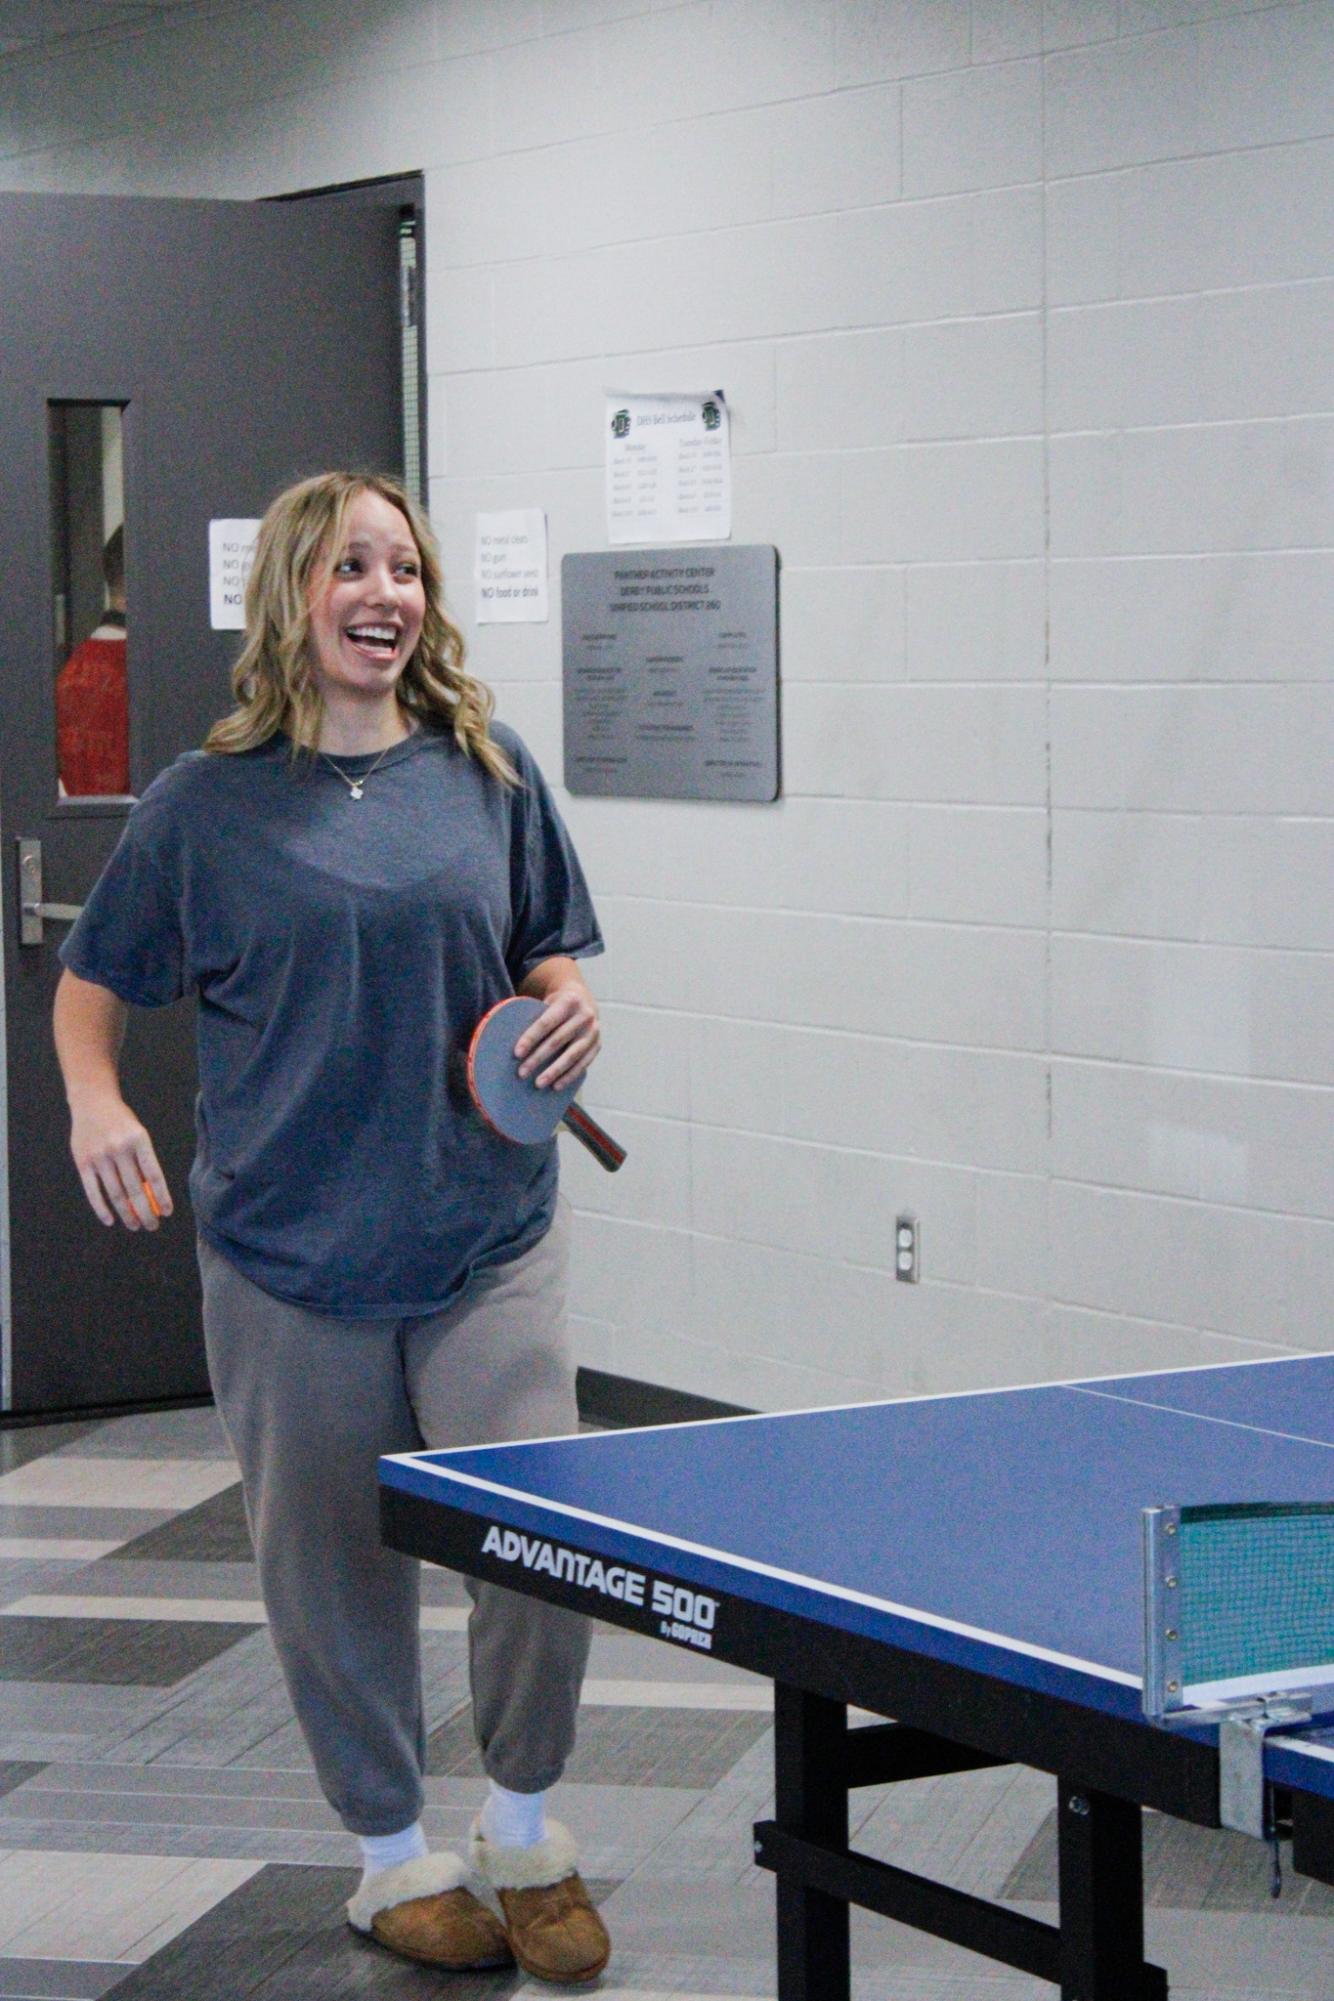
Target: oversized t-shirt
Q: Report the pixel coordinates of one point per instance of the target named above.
(342, 951)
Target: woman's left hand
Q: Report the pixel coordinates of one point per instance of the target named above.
(562, 1042)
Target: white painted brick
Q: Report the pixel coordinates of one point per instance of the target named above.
(460, 318)
(930, 260)
(976, 622)
(560, 17)
(1267, 882)
(970, 866)
(1235, 1141)
(658, 180)
(1003, 29)
(1255, 217)
(842, 625)
(793, 1310)
(492, 211)
(943, 503)
(819, 855)
(1141, 17)
(762, 50)
(976, 1340)
(979, 128)
(836, 152)
(1261, 353)
(1137, 875)
(644, 1063)
(1121, 103)
(465, 30)
(1222, 487)
(841, 390)
(1241, 617)
(1229, 1271)
(912, 1100)
(930, 743)
(781, 277)
(792, 500)
(820, 1201)
(971, 985)
(893, 38)
(1200, 749)
(1008, 234)
(654, 1186)
(1011, 1234)
(1083, 248)
(631, 1274)
(1266, 78)
(1069, 23)
(658, 66)
(972, 379)
(545, 91)
(1213, 1008)
(606, 301)
(1088, 1345)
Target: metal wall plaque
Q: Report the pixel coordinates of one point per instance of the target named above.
(671, 672)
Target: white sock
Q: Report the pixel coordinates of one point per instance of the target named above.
(513, 1820)
(385, 1851)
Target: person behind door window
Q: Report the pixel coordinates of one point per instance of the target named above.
(356, 866)
(92, 699)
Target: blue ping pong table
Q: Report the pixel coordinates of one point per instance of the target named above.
(969, 1566)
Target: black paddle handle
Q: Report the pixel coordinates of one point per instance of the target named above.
(604, 1149)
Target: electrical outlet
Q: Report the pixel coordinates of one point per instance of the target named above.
(907, 1246)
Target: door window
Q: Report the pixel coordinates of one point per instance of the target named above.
(90, 610)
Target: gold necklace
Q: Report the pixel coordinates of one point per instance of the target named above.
(356, 786)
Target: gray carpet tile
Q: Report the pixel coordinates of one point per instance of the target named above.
(58, 1979)
(156, 1434)
(147, 1653)
(146, 1577)
(213, 1532)
(691, 1748)
(17, 1772)
(283, 1936)
(21, 1443)
(1188, 1869)
(88, 1524)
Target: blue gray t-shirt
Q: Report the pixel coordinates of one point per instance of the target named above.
(343, 950)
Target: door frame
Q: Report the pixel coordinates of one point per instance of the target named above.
(406, 193)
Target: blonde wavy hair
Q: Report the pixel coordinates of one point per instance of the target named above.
(273, 683)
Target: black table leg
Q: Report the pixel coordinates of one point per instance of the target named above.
(1102, 1900)
(811, 1800)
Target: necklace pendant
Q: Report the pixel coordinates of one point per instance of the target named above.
(356, 792)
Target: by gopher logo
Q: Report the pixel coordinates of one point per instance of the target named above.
(620, 424)
(712, 414)
(682, 1614)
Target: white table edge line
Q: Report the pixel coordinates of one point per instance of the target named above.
(1206, 1417)
(1085, 1383)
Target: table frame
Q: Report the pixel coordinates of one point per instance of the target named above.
(948, 1718)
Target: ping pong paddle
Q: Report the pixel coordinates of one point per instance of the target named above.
(512, 1105)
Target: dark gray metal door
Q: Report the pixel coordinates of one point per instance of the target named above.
(246, 345)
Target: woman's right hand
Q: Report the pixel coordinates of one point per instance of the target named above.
(117, 1165)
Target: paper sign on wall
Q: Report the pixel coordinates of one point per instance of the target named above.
(231, 551)
(669, 468)
(511, 567)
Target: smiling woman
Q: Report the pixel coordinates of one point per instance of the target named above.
(342, 1175)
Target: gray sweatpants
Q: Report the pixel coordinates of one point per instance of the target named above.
(309, 1403)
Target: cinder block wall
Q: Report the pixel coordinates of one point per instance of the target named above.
(1024, 314)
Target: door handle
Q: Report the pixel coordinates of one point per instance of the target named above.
(33, 913)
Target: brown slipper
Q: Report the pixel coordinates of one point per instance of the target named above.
(423, 1911)
(553, 1930)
